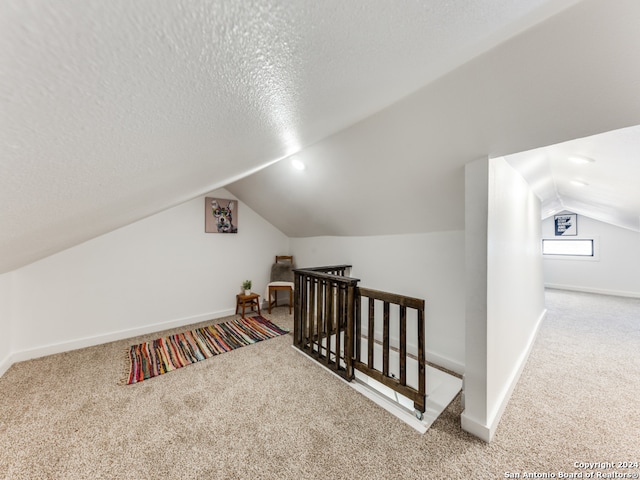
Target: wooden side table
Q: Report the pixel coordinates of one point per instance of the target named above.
(247, 301)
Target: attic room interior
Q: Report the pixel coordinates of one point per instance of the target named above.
(428, 145)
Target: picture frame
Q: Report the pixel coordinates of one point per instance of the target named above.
(566, 225)
(220, 215)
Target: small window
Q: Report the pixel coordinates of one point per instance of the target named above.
(577, 248)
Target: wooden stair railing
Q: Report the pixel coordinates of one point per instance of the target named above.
(332, 326)
(365, 333)
(323, 314)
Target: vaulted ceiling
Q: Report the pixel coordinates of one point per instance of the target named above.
(595, 176)
(113, 111)
(401, 170)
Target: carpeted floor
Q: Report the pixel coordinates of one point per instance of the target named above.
(265, 412)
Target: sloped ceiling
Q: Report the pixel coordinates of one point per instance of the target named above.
(402, 169)
(113, 111)
(596, 176)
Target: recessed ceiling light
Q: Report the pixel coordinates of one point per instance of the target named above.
(297, 164)
(580, 159)
(579, 183)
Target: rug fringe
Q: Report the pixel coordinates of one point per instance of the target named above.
(126, 369)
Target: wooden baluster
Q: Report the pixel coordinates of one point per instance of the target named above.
(296, 313)
(370, 333)
(301, 311)
(421, 361)
(312, 313)
(385, 339)
(328, 297)
(339, 309)
(319, 322)
(403, 345)
(348, 335)
(302, 322)
(357, 299)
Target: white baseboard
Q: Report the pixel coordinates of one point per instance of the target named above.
(601, 291)
(476, 428)
(487, 431)
(54, 348)
(5, 364)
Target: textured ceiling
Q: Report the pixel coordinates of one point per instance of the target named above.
(114, 110)
(401, 170)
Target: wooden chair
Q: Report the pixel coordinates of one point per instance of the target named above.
(281, 280)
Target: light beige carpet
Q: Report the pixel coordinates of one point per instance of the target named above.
(265, 412)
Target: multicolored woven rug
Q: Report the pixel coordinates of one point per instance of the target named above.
(165, 354)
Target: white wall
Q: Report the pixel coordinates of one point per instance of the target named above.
(5, 322)
(615, 270)
(160, 272)
(476, 218)
(429, 266)
(514, 289)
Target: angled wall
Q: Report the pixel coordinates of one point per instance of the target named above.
(160, 272)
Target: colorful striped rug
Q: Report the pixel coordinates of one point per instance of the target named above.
(165, 354)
